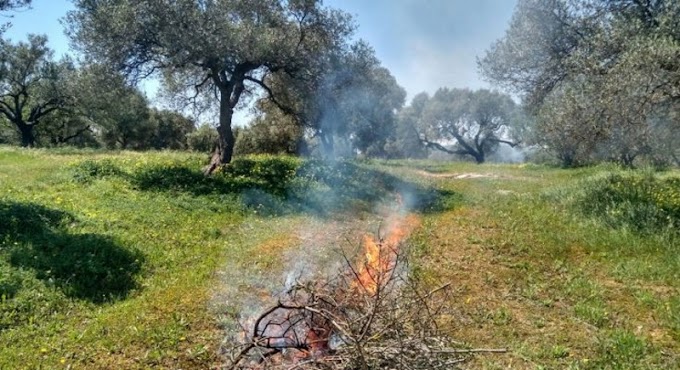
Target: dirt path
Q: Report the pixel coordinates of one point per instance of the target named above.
(464, 175)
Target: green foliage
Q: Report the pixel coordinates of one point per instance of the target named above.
(67, 128)
(90, 169)
(203, 139)
(201, 235)
(25, 300)
(32, 84)
(671, 314)
(476, 121)
(170, 130)
(10, 282)
(7, 5)
(96, 272)
(188, 45)
(644, 203)
(622, 350)
(268, 184)
(406, 142)
(272, 174)
(345, 98)
(273, 133)
(126, 120)
(595, 73)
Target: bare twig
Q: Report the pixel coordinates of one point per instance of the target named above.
(343, 324)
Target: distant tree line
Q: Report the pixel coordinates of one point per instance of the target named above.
(51, 103)
(592, 80)
(315, 90)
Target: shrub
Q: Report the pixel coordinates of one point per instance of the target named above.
(203, 139)
(644, 203)
(278, 184)
(10, 282)
(90, 169)
(272, 174)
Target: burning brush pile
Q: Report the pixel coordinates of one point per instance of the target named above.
(369, 316)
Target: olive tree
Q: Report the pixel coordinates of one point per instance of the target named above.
(117, 112)
(31, 85)
(593, 69)
(170, 129)
(348, 98)
(208, 50)
(272, 132)
(406, 142)
(475, 122)
(6, 5)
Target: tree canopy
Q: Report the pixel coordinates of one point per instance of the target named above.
(10, 5)
(348, 97)
(31, 85)
(475, 122)
(13, 4)
(209, 51)
(593, 71)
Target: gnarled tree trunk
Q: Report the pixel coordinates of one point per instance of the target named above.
(224, 148)
(27, 134)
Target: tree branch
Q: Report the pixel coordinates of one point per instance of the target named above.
(6, 109)
(512, 144)
(76, 134)
(434, 145)
(44, 109)
(270, 94)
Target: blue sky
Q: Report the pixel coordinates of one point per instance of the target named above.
(426, 44)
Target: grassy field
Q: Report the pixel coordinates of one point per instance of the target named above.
(135, 260)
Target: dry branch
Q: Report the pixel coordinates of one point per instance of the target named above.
(344, 324)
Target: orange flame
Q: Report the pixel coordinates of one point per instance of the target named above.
(380, 254)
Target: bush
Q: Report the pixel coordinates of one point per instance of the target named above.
(644, 203)
(278, 184)
(272, 174)
(203, 139)
(10, 282)
(89, 170)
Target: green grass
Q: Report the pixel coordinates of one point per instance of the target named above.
(582, 290)
(93, 265)
(112, 260)
(643, 203)
(136, 260)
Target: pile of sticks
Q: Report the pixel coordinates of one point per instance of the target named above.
(340, 324)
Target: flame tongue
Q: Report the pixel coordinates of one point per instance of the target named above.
(380, 254)
(293, 332)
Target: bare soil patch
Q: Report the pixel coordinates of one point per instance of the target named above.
(466, 175)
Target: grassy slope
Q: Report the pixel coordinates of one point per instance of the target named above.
(165, 320)
(557, 290)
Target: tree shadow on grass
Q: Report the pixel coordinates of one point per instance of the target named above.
(85, 266)
(313, 186)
